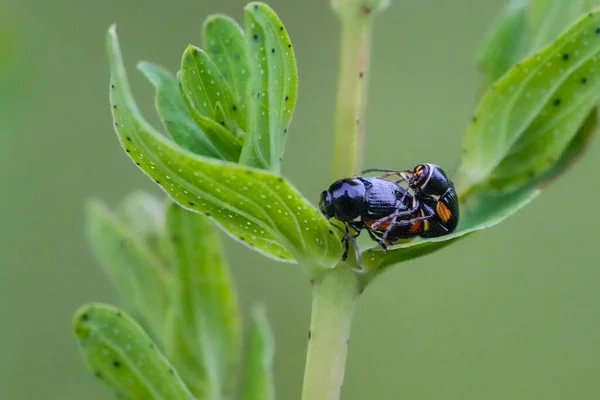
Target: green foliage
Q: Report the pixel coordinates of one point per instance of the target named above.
(203, 338)
(208, 93)
(526, 120)
(227, 113)
(549, 18)
(166, 259)
(504, 42)
(257, 207)
(273, 81)
(530, 126)
(127, 246)
(174, 114)
(122, 356)
(225, 43)
(208, 98)
(170, 270)
(477, 213)
(258, 378)
(526, 130)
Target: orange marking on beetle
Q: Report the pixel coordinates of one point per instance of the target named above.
(381, 227)
(415, 227)
(443, 211)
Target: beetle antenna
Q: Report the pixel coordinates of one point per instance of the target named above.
(404, 175)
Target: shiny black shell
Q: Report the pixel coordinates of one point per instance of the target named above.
(363, 198)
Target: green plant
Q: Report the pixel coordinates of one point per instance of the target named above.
(227, 114)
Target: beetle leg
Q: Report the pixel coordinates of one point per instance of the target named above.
(395, 223)
(372, 235)
(376, 239)
(352, 238)
(383, 240)
(394, 218)
(396, 214)
(383, 243)
(403, 194)
(346, 244)
(348, 237)
(416, 219)
(345, 240)
(413, 220)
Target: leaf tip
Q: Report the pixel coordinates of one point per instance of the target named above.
(212, 18)
(143, 65)
(79, 321)
(191, 51)
(260, 323)
(258, 310)
(112, 37)
(255, 6)
(154, 73)
(113, 48)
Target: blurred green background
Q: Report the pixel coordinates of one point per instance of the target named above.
(510, 313)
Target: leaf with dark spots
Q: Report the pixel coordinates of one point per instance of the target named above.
(258, 208)
(174, 113)
(272, 87)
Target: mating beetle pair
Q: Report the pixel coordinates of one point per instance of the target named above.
(388, 211)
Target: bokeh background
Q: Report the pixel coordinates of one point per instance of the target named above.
(509, 313)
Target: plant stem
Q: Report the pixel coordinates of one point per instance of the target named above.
(332, 308)
(334, 294)
(351, 96)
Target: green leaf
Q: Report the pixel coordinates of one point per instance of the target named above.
(574, 150)
(258, 208)
(211, 103)
(225, 43)
(480, 211)
(205, 331)
(481, 207)
(258, 371)
(174, 114)
(504, 42)
(533, 112)
(531, 157)
(549, 18)
(143, 216)
(208, 93)
(229, 145)
(124, 357)
(273, 87)
(138, 273)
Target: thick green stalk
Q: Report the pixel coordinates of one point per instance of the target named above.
(334, 296)
(351, 96)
